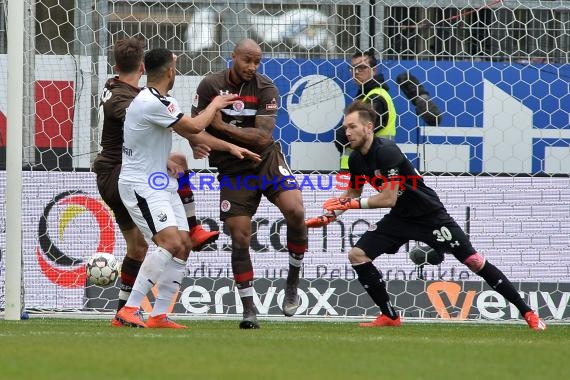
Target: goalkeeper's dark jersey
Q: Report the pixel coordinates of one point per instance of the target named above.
(258, 97)
(385, 161)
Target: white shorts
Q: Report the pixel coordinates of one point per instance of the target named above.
(153, 210)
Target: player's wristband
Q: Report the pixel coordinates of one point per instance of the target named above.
(364, 203)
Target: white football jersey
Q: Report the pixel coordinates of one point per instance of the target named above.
(148, 139)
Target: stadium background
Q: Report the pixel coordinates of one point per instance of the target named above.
(499, 71)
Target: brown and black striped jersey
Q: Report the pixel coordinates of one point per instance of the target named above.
(258, 97)
(116, 97)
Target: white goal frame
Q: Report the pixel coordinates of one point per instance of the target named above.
(497, 153)
(14, 161)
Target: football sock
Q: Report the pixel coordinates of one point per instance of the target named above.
(246, 294)
(247, 303)
(243, 276)
(168, 284)
(498, 281)
(187, 197)
(296, 254)
(129, 271)
(371, 279)
(150, 271)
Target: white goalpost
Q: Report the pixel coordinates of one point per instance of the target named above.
(499, 71)
(14, 149)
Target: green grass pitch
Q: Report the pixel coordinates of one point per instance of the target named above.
(77, 349)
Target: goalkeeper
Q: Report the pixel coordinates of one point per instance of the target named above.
(416, 214)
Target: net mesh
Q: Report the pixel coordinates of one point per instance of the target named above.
(498, 71)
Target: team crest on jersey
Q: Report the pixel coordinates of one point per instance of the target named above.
(171, 108)
(162, 217)
(196, 100)
(392, 172)
(272, 105)
(239, 106)
(225, 205)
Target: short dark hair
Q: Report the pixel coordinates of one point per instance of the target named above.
(372, 61)
(156, 61)
(365, 111)
(128, 54)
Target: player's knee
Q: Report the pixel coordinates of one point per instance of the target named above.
(357, 256)
(475, 262)
(173, 243)
(241, 239)
(293, 210)
(296, 216)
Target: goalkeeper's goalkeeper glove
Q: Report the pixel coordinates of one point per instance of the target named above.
(332, 204)
(320, 221)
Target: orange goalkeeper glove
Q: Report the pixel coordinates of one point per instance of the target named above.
(320, 221)
(333, 204)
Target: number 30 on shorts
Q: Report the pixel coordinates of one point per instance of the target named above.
(443, 234)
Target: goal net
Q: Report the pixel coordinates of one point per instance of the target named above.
(498, 155)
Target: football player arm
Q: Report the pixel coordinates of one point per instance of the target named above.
(207, 139)
(332, 214)
(386, 198)
(260, 137)
(188, 126)
(351, 199)
(352, 193)
(214, 143)
(200, 151)
(389, 160)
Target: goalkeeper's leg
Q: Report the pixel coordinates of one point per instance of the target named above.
(371, 279)
(372, 243)
(498, 281)
(460, 246)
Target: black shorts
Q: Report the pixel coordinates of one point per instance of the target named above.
(240, 195)
(439, 230)
(108, 186)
